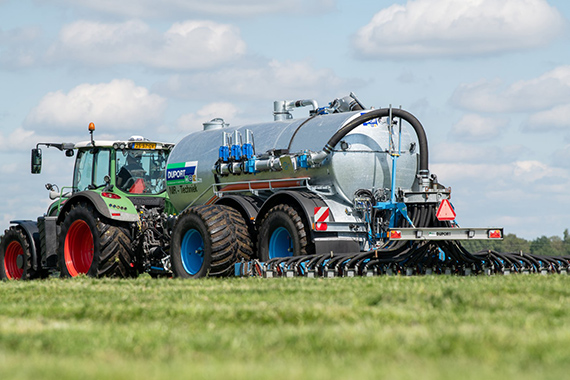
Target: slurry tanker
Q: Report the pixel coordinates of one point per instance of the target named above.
(344, 191)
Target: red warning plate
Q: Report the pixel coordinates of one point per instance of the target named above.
(321, 218)
(445, 211)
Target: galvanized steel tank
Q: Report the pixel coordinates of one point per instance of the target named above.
(359, 161)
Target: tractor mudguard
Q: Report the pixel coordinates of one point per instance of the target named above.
(94, 198)
(86, 196)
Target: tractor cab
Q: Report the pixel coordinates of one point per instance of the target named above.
(127, 169)
(132, 167)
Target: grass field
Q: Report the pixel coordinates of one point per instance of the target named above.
(351, 328)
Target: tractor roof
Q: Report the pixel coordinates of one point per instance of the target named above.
(149, 145)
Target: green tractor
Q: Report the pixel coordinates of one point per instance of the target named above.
(115, 220)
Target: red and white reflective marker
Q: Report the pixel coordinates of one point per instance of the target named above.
(321, 218)
(445, 211)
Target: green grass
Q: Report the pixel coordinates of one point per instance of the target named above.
(385, 327)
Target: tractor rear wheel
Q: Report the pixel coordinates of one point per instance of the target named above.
(207, 240)
(93, 246)
(15, 256)
(283, 233)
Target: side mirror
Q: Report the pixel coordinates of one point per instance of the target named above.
(108, 186)
(36, 161)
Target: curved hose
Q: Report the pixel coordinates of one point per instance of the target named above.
(384, 112)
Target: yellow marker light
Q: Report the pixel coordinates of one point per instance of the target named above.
(91, 127)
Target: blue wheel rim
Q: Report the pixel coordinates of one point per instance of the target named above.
(192, 252)
(280, 243)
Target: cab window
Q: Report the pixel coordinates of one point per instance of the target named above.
(91, 167)
(141, 171)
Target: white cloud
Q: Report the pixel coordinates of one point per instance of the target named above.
(192, 122)
(19, 139)
(500, 173)
(184, 46)
(515, 195)
(483, 96)
(272, 80)
(473, 127)
(118, 104)
(458, 28)
(545, 99)
(550, 89)
(555, 119)
(532, 171)
(189, 8)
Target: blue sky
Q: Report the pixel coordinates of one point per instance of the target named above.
(489, 79)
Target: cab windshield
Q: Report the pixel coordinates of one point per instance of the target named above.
(141, 171)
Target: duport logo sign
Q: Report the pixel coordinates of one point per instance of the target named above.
(182, 173)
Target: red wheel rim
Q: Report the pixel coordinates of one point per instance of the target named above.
(13, 272)
(78, 250)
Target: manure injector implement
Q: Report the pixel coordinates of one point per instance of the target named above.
(346, 191)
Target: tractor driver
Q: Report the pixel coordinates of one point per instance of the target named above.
(131, 172)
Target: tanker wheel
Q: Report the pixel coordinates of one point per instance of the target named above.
(89, 245)
(207, 240)
(242, 235)
(15, 255)
(283, 233)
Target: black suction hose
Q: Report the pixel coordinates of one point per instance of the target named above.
(385, 112)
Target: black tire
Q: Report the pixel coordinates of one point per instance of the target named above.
(282, 233)
(91, 245)
(15, 256)
(242, 235)
(207, 240)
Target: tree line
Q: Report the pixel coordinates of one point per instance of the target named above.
(551, 246)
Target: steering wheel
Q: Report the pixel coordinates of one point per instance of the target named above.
(130, 182)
